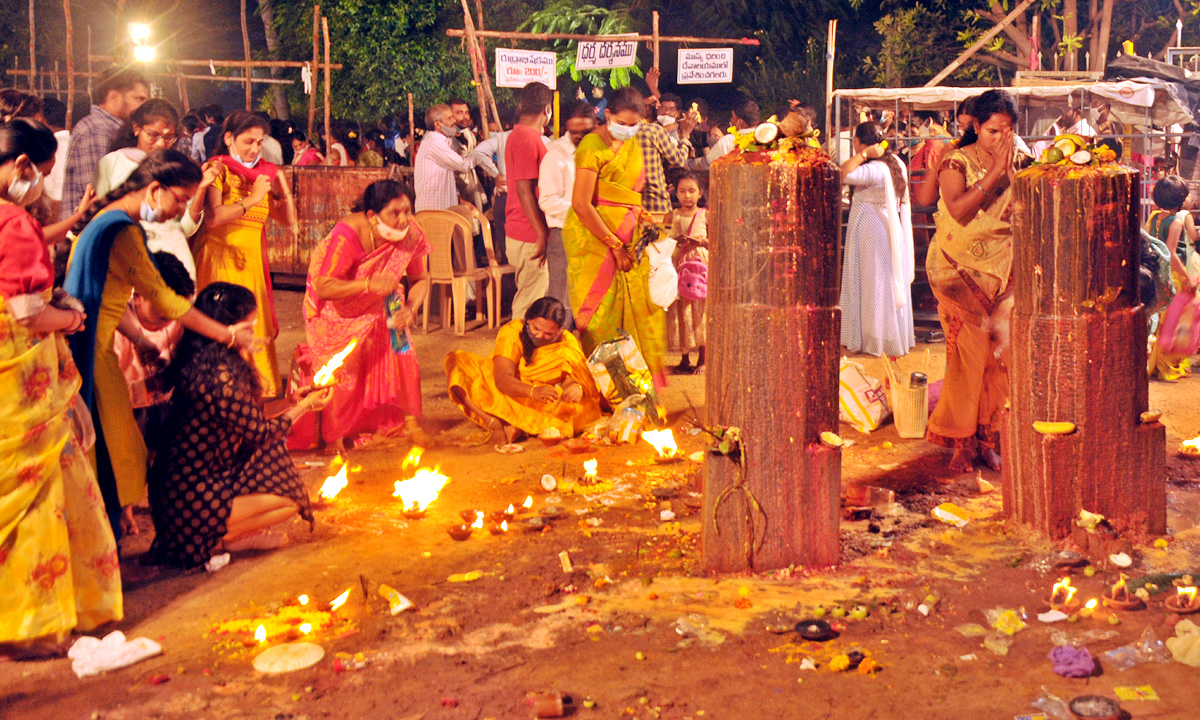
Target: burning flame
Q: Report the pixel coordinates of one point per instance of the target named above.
(1190, 447)
(339, 600)
(306, 628)
(413, 459)
(1186, 596)
(260, 634)
(510, 509)
(478, 519)
(303, 599)
(504, 528)
(589, 468)
(324, 376)
(528, 502)
(663, 441)
(421, 489)
(1091, 604)
(1064, 588)
(334, 484)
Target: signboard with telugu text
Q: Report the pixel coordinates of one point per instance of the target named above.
(518, 68)
(700, 66)
(605, 54)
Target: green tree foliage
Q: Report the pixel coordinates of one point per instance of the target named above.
(917, 42)
(569, 17)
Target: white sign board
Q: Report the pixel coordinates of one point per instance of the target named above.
(706, 65)
(605, 54)
(518, 68)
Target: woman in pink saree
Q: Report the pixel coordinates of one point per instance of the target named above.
(354, 292)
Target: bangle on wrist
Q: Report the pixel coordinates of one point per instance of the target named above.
(232, 338)
(368, 283)
(243, 206)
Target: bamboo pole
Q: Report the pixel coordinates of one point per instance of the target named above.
(978, 44)
(246, 52)
(328, 128)
(452, 32)
(483, 83)
(167, 75)
(315, 70)
(557, 114)
(32, 52)
(70, 62)
(656, 39)
(412, 134)
(234, 63)
(830, 52)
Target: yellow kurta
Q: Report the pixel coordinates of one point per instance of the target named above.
(129, 268)
(233, 253)
(552, 364)
(58, 560)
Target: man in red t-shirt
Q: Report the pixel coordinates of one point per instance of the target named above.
(525, 228)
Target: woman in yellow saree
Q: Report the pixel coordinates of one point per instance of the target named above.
(969, 265)
(609, 283)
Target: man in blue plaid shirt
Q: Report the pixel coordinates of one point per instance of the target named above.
(659, 147)
(117, 93)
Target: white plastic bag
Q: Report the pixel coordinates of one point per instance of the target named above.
(664, 279)
(862, 400)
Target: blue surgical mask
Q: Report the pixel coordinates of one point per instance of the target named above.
(622, 132)
(150, 214)
(234, 155)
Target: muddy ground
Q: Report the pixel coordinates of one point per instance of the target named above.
(607, 631)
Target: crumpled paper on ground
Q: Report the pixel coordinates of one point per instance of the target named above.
(92, 656)
(1185, 646)
(1072, 662)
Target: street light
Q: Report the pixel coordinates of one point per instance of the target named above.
(143, 53)
(139, 32)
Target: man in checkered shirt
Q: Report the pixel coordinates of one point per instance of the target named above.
(660, 148)
(117, 93)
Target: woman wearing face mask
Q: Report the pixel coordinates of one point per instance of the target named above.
(108, 262)
(54, 581)
(609, 286)
(230, 248)
(354, 293)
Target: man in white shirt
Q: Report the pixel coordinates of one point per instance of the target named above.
(437, 162)
(556, 181)
(1074, 122)
(54, 112)
(744, 119)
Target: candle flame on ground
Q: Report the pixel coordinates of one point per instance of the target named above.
(339, 600)
(324, 376)
(478, 519)
(260, 634)
(504, 528)
(334, 484)
(663, 442)
(528, 502)
(1091, 604)
(1190, 447)
(1186, 596)
(421, 489)
(303, 599)
(413, 459)
(510, 509)
(1064, 587)
(306, 628)
(589, 468)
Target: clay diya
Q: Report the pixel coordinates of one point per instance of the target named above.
(502, 515)
(578, 445)
(1118, 596)
(1062, 597)
(815, 630)
(414, 512)
(460, 532)
(1095, 707)
(469, 515)
(1185, 601)
(551, 512)
(535, 524)
(499, 528)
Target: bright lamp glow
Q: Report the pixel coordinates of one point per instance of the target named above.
(139, 31)
(143, 53)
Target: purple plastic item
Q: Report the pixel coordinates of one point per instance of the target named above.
(1072, 662)
(935, 393)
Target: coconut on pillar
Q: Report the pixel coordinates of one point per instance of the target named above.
(773, 340)
(1079, 356)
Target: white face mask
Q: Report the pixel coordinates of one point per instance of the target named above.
(451, 130)
(387, 232)
(622, 132)
(25, 191)
(665, 120)
(235, 156)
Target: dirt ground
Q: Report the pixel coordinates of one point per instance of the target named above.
(608, 630)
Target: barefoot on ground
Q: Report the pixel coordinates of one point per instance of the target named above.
(962, 461)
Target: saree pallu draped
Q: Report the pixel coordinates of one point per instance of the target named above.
(603, 299)
(969, 269)
(58, 558)
(377, 387)
(237, 253)
(552, 364)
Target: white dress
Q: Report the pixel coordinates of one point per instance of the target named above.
(877, 269)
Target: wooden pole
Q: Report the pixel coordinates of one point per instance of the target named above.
(830, 54)
(656, 38)
(315, 70)
(32, 52)
(179, 77)
(246, 52)
(1079, 356)
(89, 65)
(978, 44)
(70, 62)
(168, 75)
(452, 32)
(412, 134)
(328, 121)
(483, 83)
(237, 63)
(557, 114)
(773, 286)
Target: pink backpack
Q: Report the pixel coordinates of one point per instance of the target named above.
(693, 280)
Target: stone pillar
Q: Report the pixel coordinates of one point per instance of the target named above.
(1079, 356)
(773, 351)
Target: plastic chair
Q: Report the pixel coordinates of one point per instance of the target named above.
(495, 271)
(441, 228)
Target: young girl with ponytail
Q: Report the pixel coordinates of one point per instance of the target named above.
(108, 262)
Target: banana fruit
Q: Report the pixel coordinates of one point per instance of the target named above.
(1054, 428)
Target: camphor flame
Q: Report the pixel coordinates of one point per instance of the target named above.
(478, 519)
(339, 601)
(303, 599)
(589, 468)
(413, 459)
(306, 628)
(504, 528)
(1120, 591)
(260, 634)
(334, 484)
(421, 489)
(324, 376)
(1190, 447)
(663, 441)
(528, 502)
(1062, 592)
(1186, 596)
(1091, 604)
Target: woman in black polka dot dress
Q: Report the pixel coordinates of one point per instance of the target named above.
(223, 475)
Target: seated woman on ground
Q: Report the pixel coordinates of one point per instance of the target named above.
(223, 475)
(536, 382)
